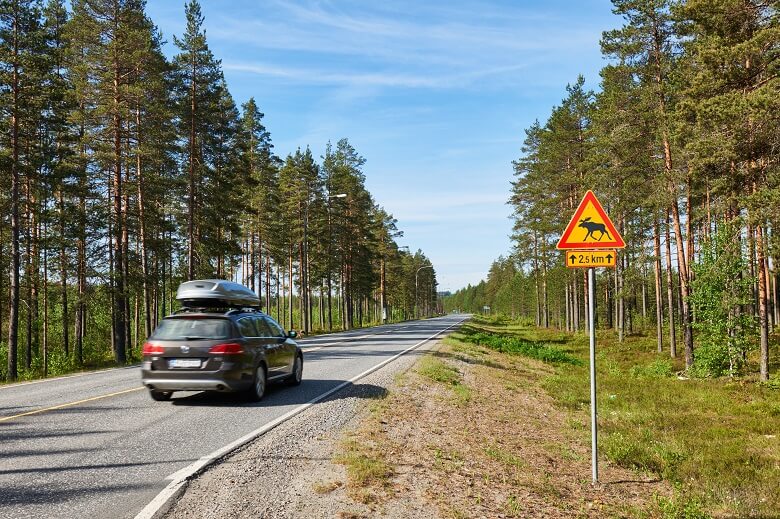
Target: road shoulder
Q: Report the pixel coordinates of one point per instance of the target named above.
(452, 430)
(290, 470)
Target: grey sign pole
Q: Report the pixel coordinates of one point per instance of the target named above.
(592, 321)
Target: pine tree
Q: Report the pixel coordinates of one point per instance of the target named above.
(731, 73)
(198, 89)
(21, 44)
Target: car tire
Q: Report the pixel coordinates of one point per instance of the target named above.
(160, 396)
(259, 383)
(296, 376)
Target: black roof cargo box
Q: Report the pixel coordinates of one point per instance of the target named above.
(216, 293)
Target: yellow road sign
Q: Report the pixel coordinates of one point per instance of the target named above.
(590, 228)
(590, 258)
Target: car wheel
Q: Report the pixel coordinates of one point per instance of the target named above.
(297, 373)
(257, 390)
(160, 396)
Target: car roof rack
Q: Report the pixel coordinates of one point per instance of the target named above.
(217, 310)
(216, 294)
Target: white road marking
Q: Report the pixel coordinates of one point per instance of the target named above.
(160, 504)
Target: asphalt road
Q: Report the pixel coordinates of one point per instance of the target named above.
(96, 445)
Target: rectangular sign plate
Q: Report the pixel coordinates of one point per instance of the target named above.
(590, 258)
(183, 363)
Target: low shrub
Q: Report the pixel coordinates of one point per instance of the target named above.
(660, 368)
(517, 346)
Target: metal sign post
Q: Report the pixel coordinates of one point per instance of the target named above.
(594, 447)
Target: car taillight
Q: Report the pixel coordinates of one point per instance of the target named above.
(230, 348)
(152, 349)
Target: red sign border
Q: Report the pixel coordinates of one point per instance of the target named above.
(616, 243)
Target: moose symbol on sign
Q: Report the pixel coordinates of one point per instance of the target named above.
(593, 227)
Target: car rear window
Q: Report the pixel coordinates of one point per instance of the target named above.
(192, 329)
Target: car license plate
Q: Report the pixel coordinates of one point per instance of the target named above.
(183, 363)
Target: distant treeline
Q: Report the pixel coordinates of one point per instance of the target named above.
(682, 145)
(125, 173)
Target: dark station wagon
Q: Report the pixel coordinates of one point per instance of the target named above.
(219, 341)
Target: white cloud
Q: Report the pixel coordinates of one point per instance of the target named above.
(384, 79)
(435, 48)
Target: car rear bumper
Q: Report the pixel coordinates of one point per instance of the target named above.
(163, 384)
(185, 380)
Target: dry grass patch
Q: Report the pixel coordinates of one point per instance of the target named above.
(474, 433)
(326, 487)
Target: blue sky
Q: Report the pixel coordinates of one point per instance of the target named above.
(435, 96)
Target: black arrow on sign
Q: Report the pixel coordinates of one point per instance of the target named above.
(573, 257)
(609, 258)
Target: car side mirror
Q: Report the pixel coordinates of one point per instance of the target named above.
(292, 334)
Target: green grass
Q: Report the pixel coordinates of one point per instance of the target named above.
(365, 467)
(716, 440)
(513, 345)
(436, 370)
(439, 371)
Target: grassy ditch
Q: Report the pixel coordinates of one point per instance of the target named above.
(495, 422)
(470, 432)
(717, 441)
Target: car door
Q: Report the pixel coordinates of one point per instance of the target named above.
(247, 328)
(286, 350)
(272, 346)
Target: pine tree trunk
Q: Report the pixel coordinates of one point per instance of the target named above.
(586, 297)
(775, 296)
(670, 291)
(260, 268)
(382, 297)
(63, 273)
(762, 305)
(81, 252)
(278, 296)
(142, 227)
(620, 298)
(684, 290)
(545, 307)
(268, 281)
(659, 313)
(45, 342)
(576, 301)
(29, 274)
(192, 183)
(302, 303)
(536, 283)
(290, 285)
(126, 261)
(330, 301)
(13, 322)
(768, 283)
(118, 261)
(321, 309)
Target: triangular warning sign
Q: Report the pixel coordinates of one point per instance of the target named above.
(590, 228)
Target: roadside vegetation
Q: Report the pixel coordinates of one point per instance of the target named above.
(670, 446)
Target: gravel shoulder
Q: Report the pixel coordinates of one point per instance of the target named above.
(289, 471)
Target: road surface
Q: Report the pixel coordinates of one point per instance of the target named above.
(96, 445)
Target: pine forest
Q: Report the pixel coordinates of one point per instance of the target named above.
(681, 143)
(126, 172)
